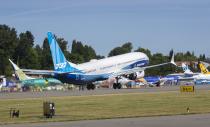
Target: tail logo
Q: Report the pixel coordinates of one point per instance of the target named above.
(185, 67)
(60, 65)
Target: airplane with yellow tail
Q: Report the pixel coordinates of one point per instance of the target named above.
(203, 69)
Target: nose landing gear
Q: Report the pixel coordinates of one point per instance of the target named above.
(117, 85)
(91, 86)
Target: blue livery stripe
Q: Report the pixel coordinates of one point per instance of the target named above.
(139, 63)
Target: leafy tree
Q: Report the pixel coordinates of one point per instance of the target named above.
(189, 56)
(159, 58)
(89, 53)
(25, 53)
(208, 68)
(208, 60)
(156, 59)
(185, 56)
(84, 52)
(8, 42)
(33, 59)
(146, 51)
(202, 57)
(46, 61)
(77, 48)
(75, 58)
(38, 51)
(63, 45)
(125, 48)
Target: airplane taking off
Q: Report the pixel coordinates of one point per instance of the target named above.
(131, 64)
(27, 81)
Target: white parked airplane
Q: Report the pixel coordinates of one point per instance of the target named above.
(188, 74)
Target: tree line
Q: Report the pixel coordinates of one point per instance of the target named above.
(23, 51)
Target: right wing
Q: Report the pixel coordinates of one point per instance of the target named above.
(138, 69)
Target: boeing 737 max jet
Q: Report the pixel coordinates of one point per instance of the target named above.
(130, 64)
(111, 67)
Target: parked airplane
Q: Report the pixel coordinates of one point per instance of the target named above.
(186, 72)
(202, 82)
(27, 81)
(2, 81)
(5, 83)
(171, 77)
(203, 69)
(199, 78)
(131, 64)
(153, 80)
(204, 75)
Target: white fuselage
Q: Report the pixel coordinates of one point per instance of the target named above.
(202, 77)
(115, 63)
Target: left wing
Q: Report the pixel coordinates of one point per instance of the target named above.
(46, 72)
(138, 69)
(39, 72)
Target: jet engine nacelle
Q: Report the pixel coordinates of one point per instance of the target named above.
(136, 75)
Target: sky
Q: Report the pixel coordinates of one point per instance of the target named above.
(159, 25)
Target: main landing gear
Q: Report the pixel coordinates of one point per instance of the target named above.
(117, 85)
(91, 86)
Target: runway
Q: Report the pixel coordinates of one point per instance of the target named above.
(102, 91)
(199, 120)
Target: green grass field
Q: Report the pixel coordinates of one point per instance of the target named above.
(107, 106)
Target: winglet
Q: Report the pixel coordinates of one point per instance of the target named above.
(172, 60)
(19, 73)
(14, 65)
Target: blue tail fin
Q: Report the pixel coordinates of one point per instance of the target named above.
(59, 60)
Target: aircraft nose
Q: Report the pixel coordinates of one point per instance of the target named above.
(146, 57)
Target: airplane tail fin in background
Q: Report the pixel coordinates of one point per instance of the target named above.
(18, 72)
(186, 69)
(203, 69)
(172, 59)
(59, 60)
